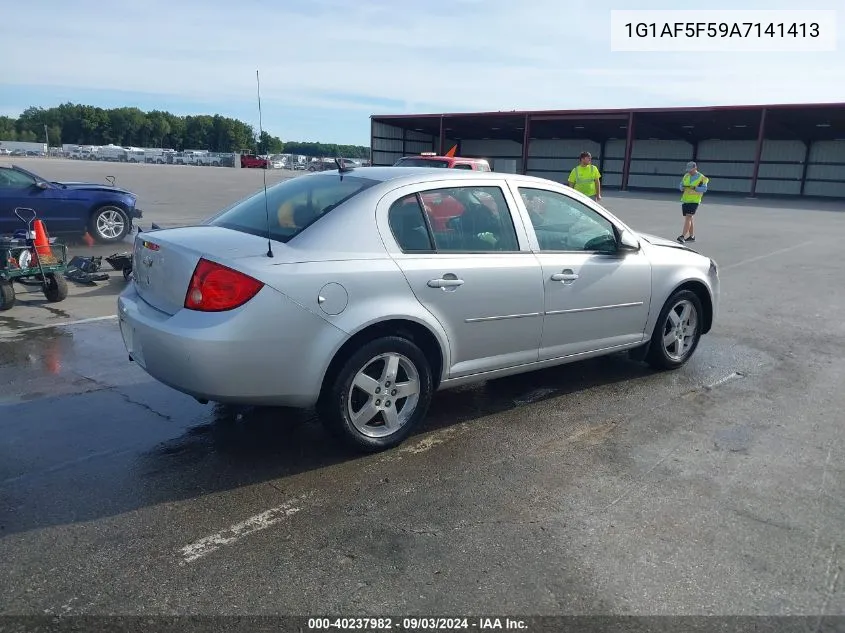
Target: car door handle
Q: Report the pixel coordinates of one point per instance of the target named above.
(566, 275)
(445, 283)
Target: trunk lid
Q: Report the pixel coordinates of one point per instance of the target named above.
(163, 262)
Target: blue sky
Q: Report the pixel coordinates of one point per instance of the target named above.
(327, 65)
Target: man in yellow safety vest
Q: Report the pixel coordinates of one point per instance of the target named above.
(585, 177)
(693, 187)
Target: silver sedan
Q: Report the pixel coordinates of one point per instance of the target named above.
(361, 292)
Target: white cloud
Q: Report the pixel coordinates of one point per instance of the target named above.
(336, 54)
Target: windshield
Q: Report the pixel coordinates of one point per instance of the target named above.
(293, 205)
(420, 162)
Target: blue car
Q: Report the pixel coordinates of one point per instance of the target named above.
(67, 208)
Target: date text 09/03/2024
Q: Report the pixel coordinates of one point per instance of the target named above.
(416, 624)
(724, 29)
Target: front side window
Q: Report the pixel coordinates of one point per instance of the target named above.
(564, 224)
(293, 204)
(13, 179)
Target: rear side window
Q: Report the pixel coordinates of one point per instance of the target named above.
(462, 166)
(407, 223)
(293, 205)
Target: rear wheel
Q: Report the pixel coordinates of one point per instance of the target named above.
(55, 288)
(677, 332)
(109, 224)
(7, 295)
(379, 396)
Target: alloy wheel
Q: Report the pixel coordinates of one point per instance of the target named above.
(384, 395)
(680, 330)
(110, 223)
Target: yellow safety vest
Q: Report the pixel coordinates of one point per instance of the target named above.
(584, 177)
(690, 194)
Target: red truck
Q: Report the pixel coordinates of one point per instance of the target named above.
(251, 160)
(430, 159)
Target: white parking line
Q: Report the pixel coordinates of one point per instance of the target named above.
(751, 260)
(34, 328)
(724, 379)
(253, 524)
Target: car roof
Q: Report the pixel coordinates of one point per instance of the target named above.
(424, 174)
(398, 176)
(444, 157)
(335, 227)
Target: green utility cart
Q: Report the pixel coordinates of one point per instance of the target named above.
(21, 263)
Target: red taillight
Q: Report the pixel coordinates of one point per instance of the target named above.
(216, 288)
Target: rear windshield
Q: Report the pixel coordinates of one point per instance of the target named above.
(293, 205)
(421, 162)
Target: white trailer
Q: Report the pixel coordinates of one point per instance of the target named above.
(83, 152)
(208, 160)
(135, 155)
(157, 156)
(111, 152)
(18, 147)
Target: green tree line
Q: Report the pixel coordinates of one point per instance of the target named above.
(90, 125)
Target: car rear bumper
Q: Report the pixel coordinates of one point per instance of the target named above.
(265, 353)
(136, 213)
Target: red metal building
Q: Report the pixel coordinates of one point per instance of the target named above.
(786, 150)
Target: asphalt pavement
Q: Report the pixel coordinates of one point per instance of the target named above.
(595, 488)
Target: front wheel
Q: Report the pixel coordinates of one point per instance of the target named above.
(109, 224)
(379, 396)
(7, 295)
(55, 288)
(677, 332)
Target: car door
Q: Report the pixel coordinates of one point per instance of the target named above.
(17, 189)
(476, 275)
(20, 189)
(596, 296)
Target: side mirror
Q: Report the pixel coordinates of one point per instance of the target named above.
(628, 242)
(41, 184)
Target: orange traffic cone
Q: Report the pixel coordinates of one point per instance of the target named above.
(88, 239)
(43, 253)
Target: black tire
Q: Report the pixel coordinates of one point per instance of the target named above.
(109, 214)
(658, 356)
(338, 396)
(7, 295)
(55, 288)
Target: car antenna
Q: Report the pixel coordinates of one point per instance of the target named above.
(341, 168)
(264, 171)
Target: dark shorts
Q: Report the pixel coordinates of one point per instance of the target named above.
(689, 208)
